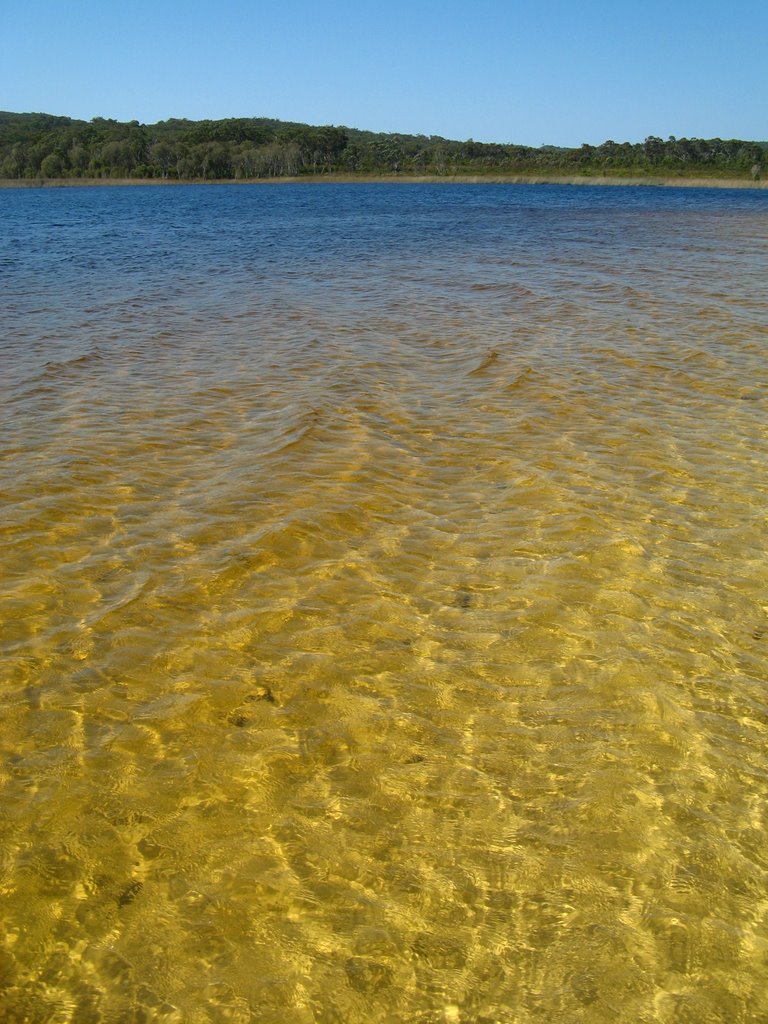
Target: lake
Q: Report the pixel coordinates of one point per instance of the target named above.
(385, 605)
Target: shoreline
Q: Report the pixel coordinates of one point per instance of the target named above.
(661, 181)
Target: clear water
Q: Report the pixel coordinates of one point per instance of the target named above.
(384, 605)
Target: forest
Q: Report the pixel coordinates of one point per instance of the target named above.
(44, 146)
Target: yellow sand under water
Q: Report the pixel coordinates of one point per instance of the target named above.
(399, 675)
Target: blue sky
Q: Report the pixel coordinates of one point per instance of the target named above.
(527, 71)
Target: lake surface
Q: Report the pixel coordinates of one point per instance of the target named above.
(384, 584)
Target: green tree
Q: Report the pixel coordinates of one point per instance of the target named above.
(52, 166)
(163, 155)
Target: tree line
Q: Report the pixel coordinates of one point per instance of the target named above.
(40, 146)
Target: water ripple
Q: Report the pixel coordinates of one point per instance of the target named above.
(385, 613)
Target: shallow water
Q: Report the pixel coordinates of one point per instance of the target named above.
(385, 605)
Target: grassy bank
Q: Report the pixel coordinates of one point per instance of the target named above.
(324, 179)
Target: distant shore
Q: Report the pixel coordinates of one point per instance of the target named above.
(464, 179)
